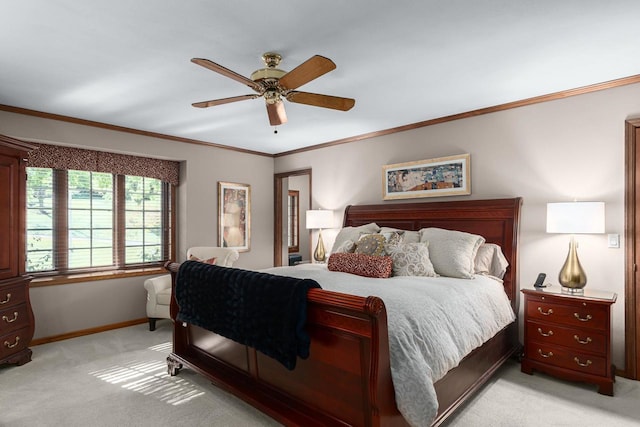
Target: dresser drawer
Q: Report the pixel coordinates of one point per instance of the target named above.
(13, 318)
(12, 295)
(13, 342)
(581, 315)
(567, 358)
(578, 339)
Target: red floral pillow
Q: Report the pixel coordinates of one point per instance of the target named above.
(211, 261)
(361, 264)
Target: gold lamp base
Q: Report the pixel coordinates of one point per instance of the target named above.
(320, 255)
(572, 276)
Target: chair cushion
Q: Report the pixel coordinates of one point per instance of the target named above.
(164, 297)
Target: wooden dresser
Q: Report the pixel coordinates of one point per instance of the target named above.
(16, 316)
(569, 335)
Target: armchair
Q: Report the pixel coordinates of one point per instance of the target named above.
(159, 288)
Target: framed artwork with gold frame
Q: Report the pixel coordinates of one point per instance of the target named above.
(234, 216)
(442, 176)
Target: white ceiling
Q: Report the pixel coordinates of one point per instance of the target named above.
(127, 63)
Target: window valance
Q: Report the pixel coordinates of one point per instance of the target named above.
(65, 158)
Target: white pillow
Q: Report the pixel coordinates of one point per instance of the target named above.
(353, 234)
(452, 252)
(411, 259)
(491, 261)
(348, 246)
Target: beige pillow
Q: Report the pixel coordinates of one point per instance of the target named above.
(491, 261)
(353, 234)
(452, 252)
(411, 259)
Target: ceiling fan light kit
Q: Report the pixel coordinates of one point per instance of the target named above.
(274, 85)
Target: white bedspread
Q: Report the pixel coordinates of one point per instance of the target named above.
(433, 323)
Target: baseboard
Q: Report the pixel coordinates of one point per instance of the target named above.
(89, 331)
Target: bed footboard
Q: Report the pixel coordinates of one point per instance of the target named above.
(345, 381)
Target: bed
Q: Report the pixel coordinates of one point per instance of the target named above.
(347, 378)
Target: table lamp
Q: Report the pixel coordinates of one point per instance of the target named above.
(319, 219)
(574, 218)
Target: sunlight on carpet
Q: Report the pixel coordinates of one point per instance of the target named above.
(163, 348)
(151, 379)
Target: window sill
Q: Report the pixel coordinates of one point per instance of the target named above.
(92, 277)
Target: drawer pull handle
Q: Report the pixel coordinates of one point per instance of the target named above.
(6, 300)
(545, 313)
(548, 334)
(15, 317)
(582, 319)
(577, 338)
(9, 345)
(546, 355)
(584, 365)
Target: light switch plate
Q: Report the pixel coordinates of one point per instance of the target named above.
(614, 240)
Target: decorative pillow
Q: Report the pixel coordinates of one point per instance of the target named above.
(361, 264)
(452, 252)
(211, 261)
(392, 237)
(371, 244)
(491, 261)
(408, 236)
(411, 259)
(353, 234)
(347, 246)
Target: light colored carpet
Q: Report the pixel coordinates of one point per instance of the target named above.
(119, 378)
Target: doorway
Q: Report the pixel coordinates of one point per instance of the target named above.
(632, 238)
(281, 191)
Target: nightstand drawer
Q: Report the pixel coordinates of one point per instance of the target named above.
(582, 315)
(13, 318)
(579, 339)
(12, 295)
(566, 358)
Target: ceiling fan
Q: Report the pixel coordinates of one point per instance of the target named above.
(275, 85)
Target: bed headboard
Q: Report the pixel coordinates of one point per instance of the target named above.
(497, 220)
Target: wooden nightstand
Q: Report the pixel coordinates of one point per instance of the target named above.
(568, 335)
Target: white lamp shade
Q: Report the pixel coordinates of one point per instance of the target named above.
(575, 217)
(319, 218)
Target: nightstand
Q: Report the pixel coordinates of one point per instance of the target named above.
(568, 335)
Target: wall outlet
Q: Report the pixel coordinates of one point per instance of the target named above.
(614, 240)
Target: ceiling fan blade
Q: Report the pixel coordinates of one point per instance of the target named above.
(324, 101)
(205, 104)
(227, 73)
(277, 115)
(309, 70)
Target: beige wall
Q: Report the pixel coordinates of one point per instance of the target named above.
(556, 151)
(72, 307)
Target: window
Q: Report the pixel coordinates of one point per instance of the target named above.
(90, 219)
(81, 221)
(293, 223)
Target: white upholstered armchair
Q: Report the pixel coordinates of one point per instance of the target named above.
(159, 288)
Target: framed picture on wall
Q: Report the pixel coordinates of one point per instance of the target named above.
(443, 176)
(234, 216)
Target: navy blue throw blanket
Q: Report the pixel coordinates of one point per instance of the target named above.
(261, 310)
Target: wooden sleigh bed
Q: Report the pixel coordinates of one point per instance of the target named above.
(347, 378)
